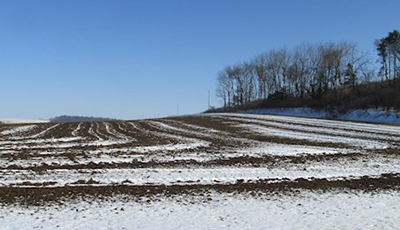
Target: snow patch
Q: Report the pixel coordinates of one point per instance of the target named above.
(21, 121)
(366, 115)
(19, 129)
(307, 210)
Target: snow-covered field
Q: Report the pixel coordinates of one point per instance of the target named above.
(366, 115)
(211, 171)
(306, 210)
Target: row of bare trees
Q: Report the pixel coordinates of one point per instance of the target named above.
(306, 69)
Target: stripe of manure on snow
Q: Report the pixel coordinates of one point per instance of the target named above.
(45, 195)
(302, 128)
(259, 161)
(229, 126)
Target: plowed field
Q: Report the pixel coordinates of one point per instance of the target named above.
(194, 155)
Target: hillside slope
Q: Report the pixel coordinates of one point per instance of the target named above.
(372, 102)
(209, 171)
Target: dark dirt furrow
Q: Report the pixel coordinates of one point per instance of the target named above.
(41, 196)
(300, 130)
(121, 128)
(185, 142)
(216, 142)
(38, 129)
(84, 131)
(225, 125)
(61, 131)
(141, 134)
(272, 161)
(300, 125)
(101, 131)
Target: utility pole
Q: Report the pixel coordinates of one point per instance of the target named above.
(209, 99)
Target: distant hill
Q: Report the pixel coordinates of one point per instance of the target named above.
(66, 118)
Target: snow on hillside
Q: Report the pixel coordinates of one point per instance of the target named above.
(20, 121)
(18, 129)
(366, 115)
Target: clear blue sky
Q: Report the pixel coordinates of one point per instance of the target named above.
(139, 59)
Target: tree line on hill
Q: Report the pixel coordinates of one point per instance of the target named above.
(66, 118)
(308, 70)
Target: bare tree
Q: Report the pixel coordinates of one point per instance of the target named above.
(389, 54)
(307, 68)
(260, 65)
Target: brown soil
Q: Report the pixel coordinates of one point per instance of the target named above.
(40, 196)
(222, 133)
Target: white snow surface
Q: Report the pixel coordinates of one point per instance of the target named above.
(158, 154)
(335, 170)
(21, 121)
(367, 115)
(305, 210)
(297, 209)
(314, 126)
(18, 129)
(314, 137)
